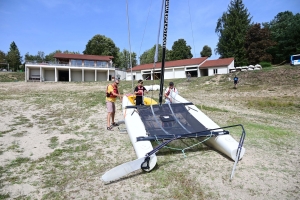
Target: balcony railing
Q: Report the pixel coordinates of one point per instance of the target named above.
(69, 65)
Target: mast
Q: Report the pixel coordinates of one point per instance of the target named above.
(166, 15)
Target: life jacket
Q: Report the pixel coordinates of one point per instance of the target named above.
(140, 90)
(170, 91)
(110, 94)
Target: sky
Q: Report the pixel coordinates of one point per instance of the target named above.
(49, 25)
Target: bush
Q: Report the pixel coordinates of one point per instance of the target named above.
(265, 64)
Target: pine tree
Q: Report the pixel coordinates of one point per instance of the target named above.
(231, 29)
(13, 57)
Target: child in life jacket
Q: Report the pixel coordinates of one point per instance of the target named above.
(169, 91)
(139, 91)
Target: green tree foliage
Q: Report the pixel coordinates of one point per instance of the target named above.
(49, 57)
(101, 45)
(41, 57)
(285, 31)
(148, 56)
(2, 57)
(13, 57)
(3, 60)
(125, 59)
(206, 51)
(180, 50)
(257, 41)
(231, 29)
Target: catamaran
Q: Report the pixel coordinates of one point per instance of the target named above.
(181, 119)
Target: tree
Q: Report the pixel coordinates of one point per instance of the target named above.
(148, 56)
(231, 29)
(2, 57)
(125, 59)
(49, 57)
(206, 51)
(103, 46)
(180, 50)
(257, 41)
(13, 57)
(285, 29)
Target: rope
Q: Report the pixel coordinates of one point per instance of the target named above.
(156, 48)
(145, 28)
(183, 150)
(192, 27)
(129, 43)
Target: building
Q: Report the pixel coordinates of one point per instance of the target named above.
(73, 67)
(197, 67)
(219, 66)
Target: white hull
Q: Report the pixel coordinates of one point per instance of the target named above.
(225, 144)
(135, 128)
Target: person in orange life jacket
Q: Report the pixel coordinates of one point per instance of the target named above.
(111, 95)
(139, 91)
(169, 91)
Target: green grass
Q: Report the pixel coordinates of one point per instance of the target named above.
(53, 142)
(12, 76)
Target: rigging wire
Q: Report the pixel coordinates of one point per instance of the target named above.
(130, 61)
(145, 29)
(192, 28)
(156, 48)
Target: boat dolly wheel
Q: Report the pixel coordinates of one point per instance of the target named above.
(145, 165)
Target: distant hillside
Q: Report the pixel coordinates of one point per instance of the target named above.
(12, 76)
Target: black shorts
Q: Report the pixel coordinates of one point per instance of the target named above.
(235, 82)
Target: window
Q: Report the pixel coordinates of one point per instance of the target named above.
(101, 64)
(215, 71)
(77, 63)
(89, 63)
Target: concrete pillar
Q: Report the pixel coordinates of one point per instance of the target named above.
(55, 78)
(41, 74)
(82, 77)
(70, 75)
(95, 75)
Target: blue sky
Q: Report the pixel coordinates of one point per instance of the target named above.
(49, 25)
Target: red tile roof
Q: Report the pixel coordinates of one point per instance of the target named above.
(217, 63)
(82, 57)
(174, 63)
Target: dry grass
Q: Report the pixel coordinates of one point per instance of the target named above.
(54, 144)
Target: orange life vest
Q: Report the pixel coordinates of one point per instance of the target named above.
(110, 94)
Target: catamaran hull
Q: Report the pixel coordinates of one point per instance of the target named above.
(225, 144)
(135, 128)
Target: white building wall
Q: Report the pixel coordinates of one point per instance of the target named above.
(138, 76)
(222, 70)
(101, 75)
(76, 75)
(49, 75)
(179, 73)
(231, 66)
(169, 73)
(121, 74)
(34, 71)
(89, 75)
